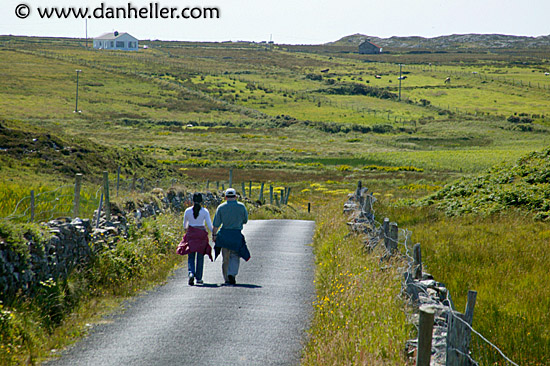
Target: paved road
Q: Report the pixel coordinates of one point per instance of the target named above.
(260, 321)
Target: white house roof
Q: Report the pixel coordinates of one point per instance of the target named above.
(113, 35)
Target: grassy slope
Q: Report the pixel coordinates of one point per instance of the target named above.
(524, 185)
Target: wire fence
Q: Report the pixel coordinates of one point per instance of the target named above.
(75, 201)
(483, 351)
(60, 202)
(42, 206)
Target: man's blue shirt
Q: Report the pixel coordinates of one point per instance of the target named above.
(232, 215)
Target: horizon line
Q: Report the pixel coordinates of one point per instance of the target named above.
(295, 44)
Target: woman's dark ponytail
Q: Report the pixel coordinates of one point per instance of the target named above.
(197, 199)
(196, 210)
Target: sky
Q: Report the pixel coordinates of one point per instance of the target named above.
(282, 21)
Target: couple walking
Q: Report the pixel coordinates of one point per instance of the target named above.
(226, 233)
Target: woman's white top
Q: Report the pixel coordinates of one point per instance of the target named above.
(202, 220)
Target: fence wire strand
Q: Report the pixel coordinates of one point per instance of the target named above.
(404, 243)
(482, 337)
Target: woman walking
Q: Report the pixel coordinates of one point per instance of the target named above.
(195, 221)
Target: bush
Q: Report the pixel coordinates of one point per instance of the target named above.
(523, 185)
(344, 168)
(382, 128)
(314, 77)
(359, 89)
(526, 120)
(425, 102)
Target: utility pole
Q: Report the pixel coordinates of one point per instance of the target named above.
(76, 106)
(86, 33)
(400, 77)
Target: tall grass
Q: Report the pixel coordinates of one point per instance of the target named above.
(505, 259)
(50, 201)
(358, 316)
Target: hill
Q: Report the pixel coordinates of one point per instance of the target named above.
(449, 41)
(27, 148)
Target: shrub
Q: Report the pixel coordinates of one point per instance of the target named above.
(523, 185)
(526, 120)
(360, 89)
(344, 168)
(425, 102)
(382, 128)
(314, 77)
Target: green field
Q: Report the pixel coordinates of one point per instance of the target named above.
(315, 118)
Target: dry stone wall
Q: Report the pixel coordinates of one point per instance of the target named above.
(418, 286)
(71, 242)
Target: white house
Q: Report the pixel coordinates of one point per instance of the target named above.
(116, 41)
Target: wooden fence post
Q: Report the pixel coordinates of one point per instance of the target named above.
(231, 178)
(455, 337)
(32, 205)
(425, 330)
(207, 184)
(287, 195)
(243, 189)
(261, 197)
(106, 196)
(282, 196)
(99, 211)
(394, 233)
(308, 207)
(417, 268)
(76, 201)
(469, 316)
(270, 194)
(469, 313)
(366, 208)
(358, 191)
(276, 199)
(385, 232)
(250, 189)
(459, 334)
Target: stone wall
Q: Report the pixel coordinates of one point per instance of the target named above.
(419, 287)
(71, 241)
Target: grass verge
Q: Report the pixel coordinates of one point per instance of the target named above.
(32, 329)
(359, 318)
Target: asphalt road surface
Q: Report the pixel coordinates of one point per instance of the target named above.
(260, 321)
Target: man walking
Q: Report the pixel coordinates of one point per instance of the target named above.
(230, 216)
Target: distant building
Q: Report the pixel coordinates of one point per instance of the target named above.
(369, 48)
(116, 41)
